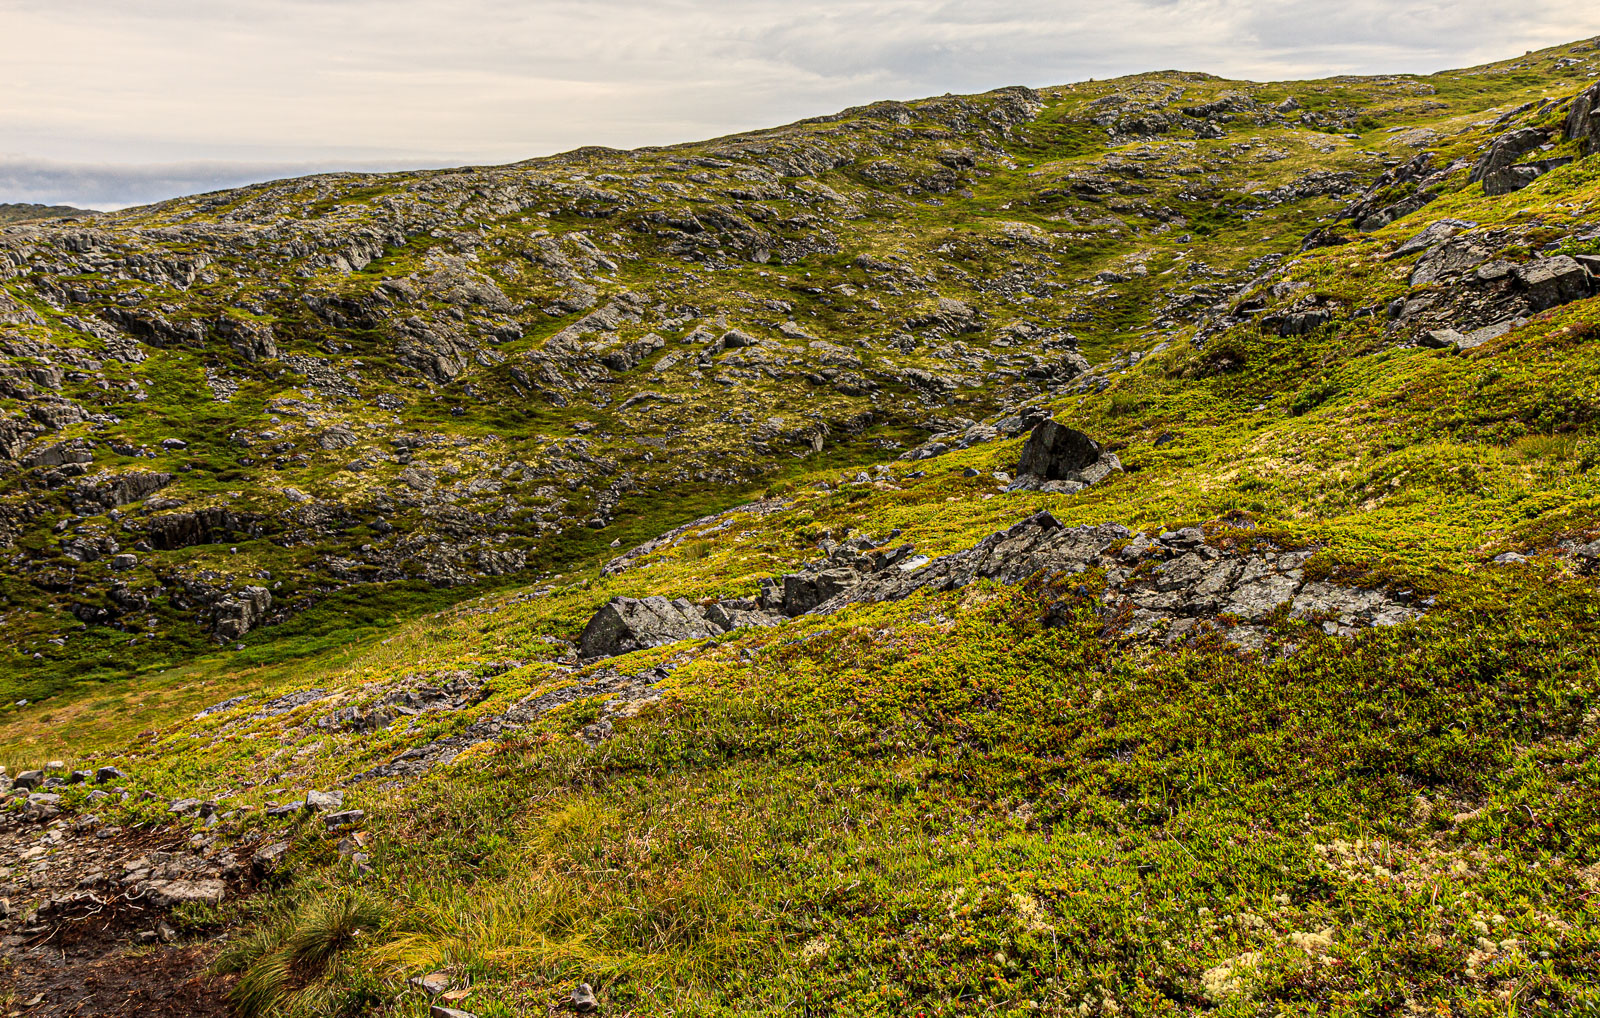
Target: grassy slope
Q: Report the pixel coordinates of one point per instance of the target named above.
(982, 802)
(1184, 209)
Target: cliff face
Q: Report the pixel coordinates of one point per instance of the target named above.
(1121, 547)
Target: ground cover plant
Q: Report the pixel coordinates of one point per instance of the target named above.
(329, 627)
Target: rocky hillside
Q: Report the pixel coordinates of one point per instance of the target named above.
(1125, 547)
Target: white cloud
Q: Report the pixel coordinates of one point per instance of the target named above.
(335, 83)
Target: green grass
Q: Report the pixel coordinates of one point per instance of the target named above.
(983, 801)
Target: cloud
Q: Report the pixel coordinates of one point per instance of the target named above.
(110, 186)
(144, 93)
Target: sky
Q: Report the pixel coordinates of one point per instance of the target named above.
(108, 103)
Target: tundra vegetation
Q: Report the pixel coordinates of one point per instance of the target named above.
(1124, 548)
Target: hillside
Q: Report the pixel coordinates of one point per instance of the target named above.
(21, 212)
(1118, 548)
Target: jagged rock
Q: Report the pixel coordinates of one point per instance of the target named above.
(211, 525)
(28, 779)
(1583, 120)
(108, 773)
(339, 436)
(343, 818)
(629, 357)
(1450, 339)
(440, 1011)
(268, 858)
(253, 340)
(1297, 323)
(1451, 258)
(120, 489)
(1505, 150)
(629, 624)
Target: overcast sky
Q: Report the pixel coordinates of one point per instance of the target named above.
(105, 103)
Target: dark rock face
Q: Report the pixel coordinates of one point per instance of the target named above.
(1061, 459)
(1055, 452)
(1506, 150)
(120, 489)
(1498, 168)
(1583, 120)
(254, 341)
(203, 526)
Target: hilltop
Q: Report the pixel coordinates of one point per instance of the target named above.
(1123, 547)
(21, 212)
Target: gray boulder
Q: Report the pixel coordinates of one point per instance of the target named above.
(241, 612)
(628, 624)
(1551, 282)
(583, 999)
(323, 802)
(1452, 258)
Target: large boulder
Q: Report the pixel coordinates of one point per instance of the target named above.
(1551, 282)
(1583, 120)
(1055, 452)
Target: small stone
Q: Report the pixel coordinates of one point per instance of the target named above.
(79, 777)
(344, 818)
(440, 1011)
(433, 984)
(178, 892)
(105, 774)
(583, 999)
(28, 779)
(323, 802)
(267, 859)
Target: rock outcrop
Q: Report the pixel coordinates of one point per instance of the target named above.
(1062, 459)
(1167, 584)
